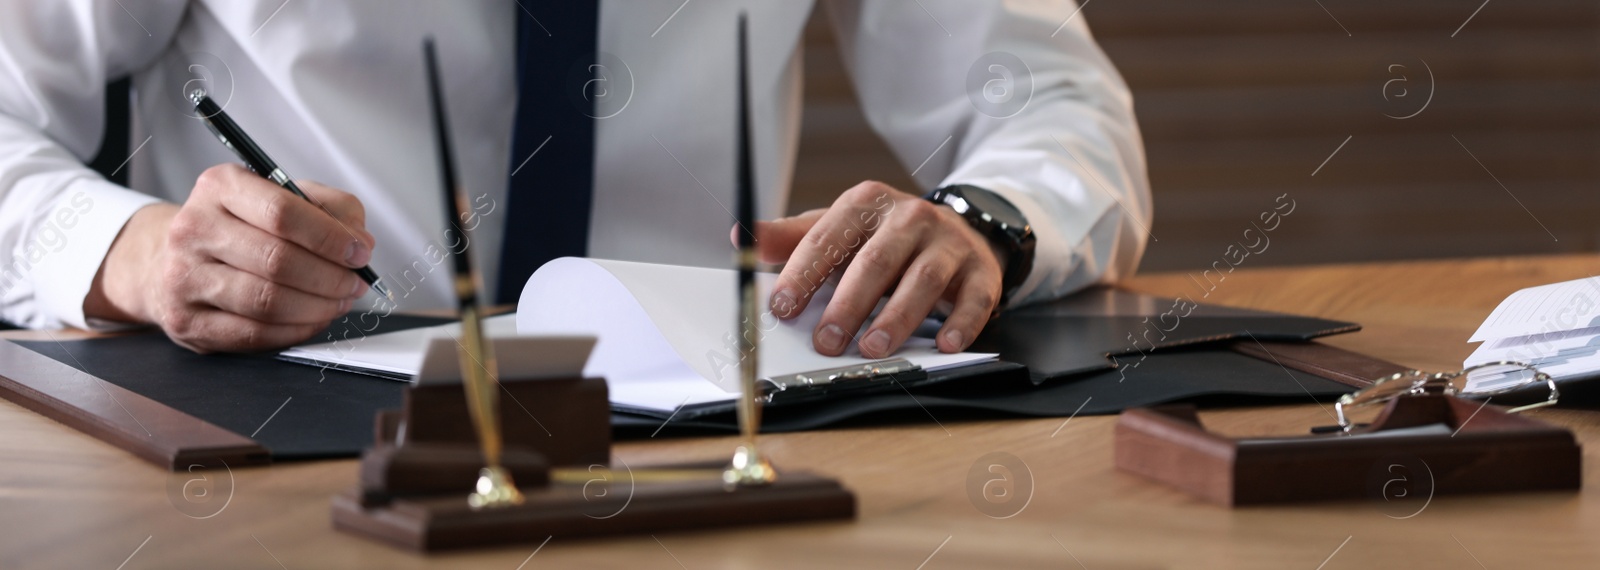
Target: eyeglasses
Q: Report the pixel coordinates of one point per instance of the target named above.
(1481, 381)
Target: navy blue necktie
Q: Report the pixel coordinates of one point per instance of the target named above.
(551, 189)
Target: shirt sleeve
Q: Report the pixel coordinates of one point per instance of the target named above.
(58, 217)
(1014, 97)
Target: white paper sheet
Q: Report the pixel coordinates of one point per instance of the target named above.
(1544, 309)
(665, 332)
(1555, 328)
(397, 352)
(1529, 348)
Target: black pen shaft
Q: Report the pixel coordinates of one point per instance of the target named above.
(749, 304)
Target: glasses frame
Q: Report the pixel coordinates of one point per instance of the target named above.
(1422, 383)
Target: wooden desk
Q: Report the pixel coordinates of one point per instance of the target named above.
(68, 501)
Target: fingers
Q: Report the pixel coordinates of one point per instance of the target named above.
(210, 330)
(976, 299)
(247, 265)
(927, 255)
(265, 205)
(249, 249)
(340, 204)
(868, 277)
(240, 293)
(925, 281)
(842, 229)
(777, 239)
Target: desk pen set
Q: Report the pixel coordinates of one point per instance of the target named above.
(458, 467)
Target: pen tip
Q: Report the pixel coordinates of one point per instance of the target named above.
(378, 286)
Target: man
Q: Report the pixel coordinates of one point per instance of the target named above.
(583, 127)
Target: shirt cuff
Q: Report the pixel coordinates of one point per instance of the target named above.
(76, 234)
(1050, 248)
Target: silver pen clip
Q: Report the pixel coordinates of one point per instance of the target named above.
(819, 378)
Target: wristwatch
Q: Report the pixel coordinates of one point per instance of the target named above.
(997, 219)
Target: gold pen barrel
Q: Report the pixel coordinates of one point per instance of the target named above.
(749, 467)
(749, 353)
(478, 377)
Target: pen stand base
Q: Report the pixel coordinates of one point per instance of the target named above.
(611, 503)
(414, 481)
(1417, 447)
(567, 420)
(389, 471)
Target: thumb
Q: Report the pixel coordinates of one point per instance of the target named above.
(776, 239)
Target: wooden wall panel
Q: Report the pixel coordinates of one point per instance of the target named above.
(1242, 100)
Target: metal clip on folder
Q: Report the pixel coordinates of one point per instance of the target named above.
(868, 377)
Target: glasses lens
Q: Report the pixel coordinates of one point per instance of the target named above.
(1491, 379)
(1381, 391)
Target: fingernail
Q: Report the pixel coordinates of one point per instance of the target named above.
(876, 344)
(344, 306)
(831, 339)
(357, 254)
(953, 339)
(784, 303)
(357, 288)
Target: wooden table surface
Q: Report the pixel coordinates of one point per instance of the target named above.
(68, 501)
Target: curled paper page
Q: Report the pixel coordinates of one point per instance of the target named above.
(1545, 309)
(667, 332)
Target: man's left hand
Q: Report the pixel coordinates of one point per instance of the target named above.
(885, 242)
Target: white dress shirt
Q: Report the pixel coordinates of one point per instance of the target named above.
(335, 92)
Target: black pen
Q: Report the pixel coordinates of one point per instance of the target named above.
(480, 375)
(749, 467)
(257, 161)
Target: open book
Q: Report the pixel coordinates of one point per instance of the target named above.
(666, 333)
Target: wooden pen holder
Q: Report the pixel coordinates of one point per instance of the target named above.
(1484, 450)
(415, 479)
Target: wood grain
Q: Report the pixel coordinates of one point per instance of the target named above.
(69, 501)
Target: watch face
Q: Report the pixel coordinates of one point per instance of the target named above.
(996, 207)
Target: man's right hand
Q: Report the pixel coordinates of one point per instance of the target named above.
(243, 265)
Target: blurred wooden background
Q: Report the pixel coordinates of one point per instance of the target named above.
(1242, 100)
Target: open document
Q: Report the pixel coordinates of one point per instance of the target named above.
(1555, 328)
(666, 333)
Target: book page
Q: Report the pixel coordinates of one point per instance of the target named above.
(1544, 309)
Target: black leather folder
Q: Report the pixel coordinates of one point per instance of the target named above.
(1098, 352)
(1058, 359)
(1103, 329)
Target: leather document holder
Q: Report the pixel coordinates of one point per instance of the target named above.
(1074, 356)
(1100, 351)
